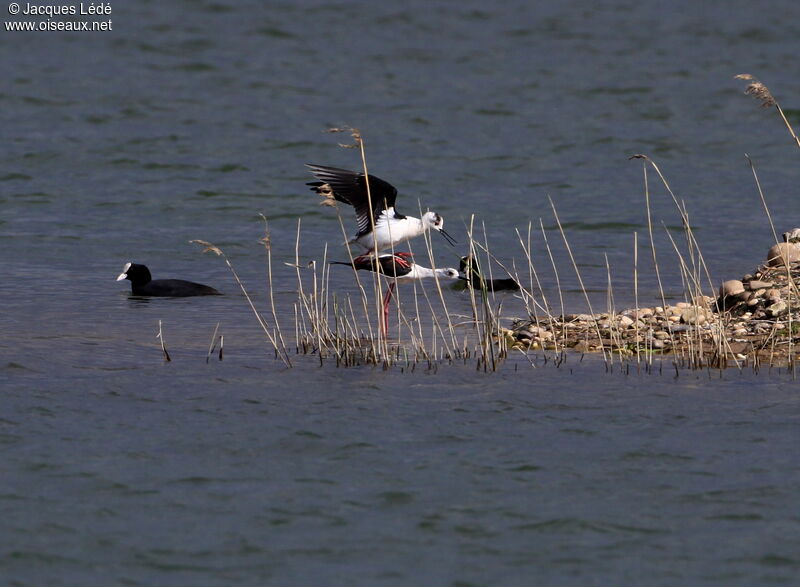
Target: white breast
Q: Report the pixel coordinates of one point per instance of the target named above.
(390, 231)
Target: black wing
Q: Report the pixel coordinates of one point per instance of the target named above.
(390, 265)
(351, 188)
(395, 265)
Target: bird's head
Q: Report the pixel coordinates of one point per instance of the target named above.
(448, 273)
(434, 220)
(138, 274)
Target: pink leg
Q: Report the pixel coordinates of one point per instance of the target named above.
(386, 299)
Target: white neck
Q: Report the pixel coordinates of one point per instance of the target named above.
(420, 272)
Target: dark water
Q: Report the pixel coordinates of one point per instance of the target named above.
(191, 118)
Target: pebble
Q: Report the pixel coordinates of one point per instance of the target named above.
(625, 321)
(681, 328)
(694, 316)
(783, 254)
(535, 330)
(756, 284)
(639, 314)
(792, 235)
(732, 287)
(777, 308)
(773, 295)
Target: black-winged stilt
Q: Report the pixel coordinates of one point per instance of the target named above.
(391, 227)
(142, 284)
(397, 267)
(474, 278)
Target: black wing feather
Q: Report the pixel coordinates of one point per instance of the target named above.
(350, 187)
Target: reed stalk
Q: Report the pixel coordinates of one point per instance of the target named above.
(213, 343)
(160, 337)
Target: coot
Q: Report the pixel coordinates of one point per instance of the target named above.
(142, 284)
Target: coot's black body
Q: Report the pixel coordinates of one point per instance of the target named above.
(142, 284)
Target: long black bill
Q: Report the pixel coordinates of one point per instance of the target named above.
(450, 240)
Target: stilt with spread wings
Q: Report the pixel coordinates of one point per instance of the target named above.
(390, 227)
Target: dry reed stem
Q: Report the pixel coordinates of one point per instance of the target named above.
(160, 337)
(636, 293)
(761, 92)
(267, 242)
(612, 316)
(761, 196)
(382, 344)
(213, 343)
